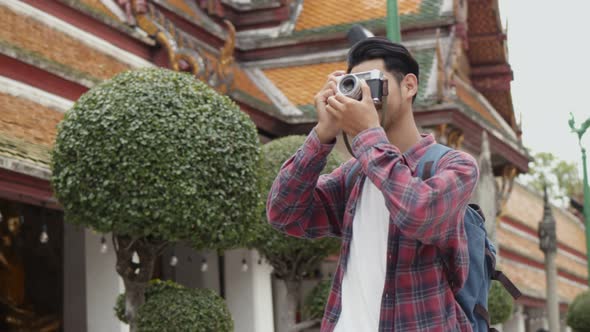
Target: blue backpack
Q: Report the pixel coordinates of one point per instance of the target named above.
(473, 297)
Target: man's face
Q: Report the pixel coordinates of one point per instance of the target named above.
(394, 103)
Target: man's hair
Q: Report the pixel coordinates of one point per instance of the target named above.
(397, 59)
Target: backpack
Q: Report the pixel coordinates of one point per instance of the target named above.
(473, 297)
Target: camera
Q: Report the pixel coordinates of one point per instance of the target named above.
(350, 85)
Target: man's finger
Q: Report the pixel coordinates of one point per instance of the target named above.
(343, 99)
(332, 86)
(333, 112)
(327, 94)
(334, 103)
(336, 73)
(335, 76)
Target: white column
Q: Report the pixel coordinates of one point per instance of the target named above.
(498, 327)
(248, 293)
(552, 297)
(517, 322)
(103, 285)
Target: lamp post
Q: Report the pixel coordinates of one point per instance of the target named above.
(393, 27)
(580, 132)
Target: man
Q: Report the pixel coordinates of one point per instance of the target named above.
(402, 237)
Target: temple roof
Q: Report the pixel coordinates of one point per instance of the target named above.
(22, 150)
(277, 87)
(327, 16)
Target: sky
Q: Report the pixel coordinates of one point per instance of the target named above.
(549, 51)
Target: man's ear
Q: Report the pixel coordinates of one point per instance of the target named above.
(409, 86)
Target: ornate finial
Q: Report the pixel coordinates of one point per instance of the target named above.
(440, 67)
(455, 139)
(545, 196)
(547, 236)
(133, 8)
(183, 53)
(213, 7)
(582, 129)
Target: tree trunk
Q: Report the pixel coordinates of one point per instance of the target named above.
(136, 276)
(134, 298)
(287, 292)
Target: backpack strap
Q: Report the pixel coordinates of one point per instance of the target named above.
(510, 287)
(429, 161)
(483, 313)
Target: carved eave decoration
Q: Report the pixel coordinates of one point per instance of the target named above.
(252, 15)
(452, 76)
(490, 71)
(184, 53)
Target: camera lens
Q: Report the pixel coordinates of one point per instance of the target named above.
(347, 85)
(350, 87)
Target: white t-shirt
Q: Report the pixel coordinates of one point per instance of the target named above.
(364, 278)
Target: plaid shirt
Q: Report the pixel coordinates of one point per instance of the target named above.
(426, 229)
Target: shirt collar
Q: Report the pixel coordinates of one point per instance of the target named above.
(415, 153)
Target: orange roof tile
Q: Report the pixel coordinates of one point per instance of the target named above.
(42, 41)
(100, 7)
(301, 83)
(243, 83)
(26, 120)
(322, 13)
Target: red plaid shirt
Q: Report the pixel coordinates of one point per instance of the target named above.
(426, 224)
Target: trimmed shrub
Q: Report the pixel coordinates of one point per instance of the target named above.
(578, 314)
(500, 303)
(170, 307)
(159, 154)
(286, 253)
(316, 300)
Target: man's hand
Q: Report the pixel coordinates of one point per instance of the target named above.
(327, 129)
(351, 115)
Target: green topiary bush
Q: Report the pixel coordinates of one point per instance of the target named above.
(170, 307)
(578, 314)
(316, 300)
(155, 157)
(500, 303)
(158, 153)
(279, 249)
(292, 259)
(120, 308)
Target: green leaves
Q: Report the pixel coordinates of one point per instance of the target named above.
(561, 177)
(158, 153)
(577, 315)
(170, 307)
(315, 301)
(499, 304)
(290, 257)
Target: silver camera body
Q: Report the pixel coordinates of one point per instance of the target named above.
(350, 85)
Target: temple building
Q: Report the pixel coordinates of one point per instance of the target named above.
(270, 57)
